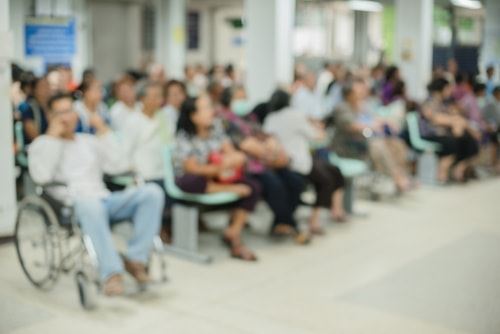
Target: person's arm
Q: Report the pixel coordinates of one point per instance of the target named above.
(437, 118)
(110, 153)
(192, 166)
(232, 157)
(44, 157)
(253, 147)
(29, 124)
(30, 129)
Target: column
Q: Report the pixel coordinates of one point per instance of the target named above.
(413, 44)
(269, 48)
(171, 36)
(490, 52)
(361, 41)
(7, 177)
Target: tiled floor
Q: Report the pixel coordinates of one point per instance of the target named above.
(427, 263)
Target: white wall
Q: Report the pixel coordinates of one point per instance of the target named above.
(490, 52)
(117, 45)
(204, 53)
(225, 50)
(7, 178)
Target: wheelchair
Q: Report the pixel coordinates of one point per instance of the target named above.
(50, 243)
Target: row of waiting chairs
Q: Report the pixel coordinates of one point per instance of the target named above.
(186, 208)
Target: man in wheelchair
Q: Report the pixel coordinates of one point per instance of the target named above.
(80, 161)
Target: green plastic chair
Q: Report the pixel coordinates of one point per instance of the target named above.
(185, 213)
(174, 192)
(426, 162)
(416, 140)
(350, 168)
(21, 157)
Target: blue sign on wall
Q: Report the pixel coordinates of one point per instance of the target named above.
(51, 38)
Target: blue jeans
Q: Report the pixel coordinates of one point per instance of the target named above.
(142, 205)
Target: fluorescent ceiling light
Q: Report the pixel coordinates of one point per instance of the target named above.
(365, 6)
(470, 4)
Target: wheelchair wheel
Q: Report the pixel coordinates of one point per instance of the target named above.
(37, 242)
(86, 293)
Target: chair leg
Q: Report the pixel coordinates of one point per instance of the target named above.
(185, 234)
(348, 195)
(427, 167)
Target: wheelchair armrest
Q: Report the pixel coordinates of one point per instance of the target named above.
(52, 184)
(121, 180)
(42, 188)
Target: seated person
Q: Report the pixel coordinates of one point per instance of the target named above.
(491, 114)
(145, 135)
(445, 125)
(295, 131)
(79, 160)
(33, 110)
(90, 104)
(358, 135)
(175, 95)
(268, 163)
(126, 105)
(206, 162)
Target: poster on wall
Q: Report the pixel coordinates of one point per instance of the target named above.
(51, 39)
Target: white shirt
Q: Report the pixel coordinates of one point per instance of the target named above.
(324, 79)
(120, 113)
(294, 131)
(172, 116)
(84, 114)
(80, 163)
(308, 102)
(144, 139)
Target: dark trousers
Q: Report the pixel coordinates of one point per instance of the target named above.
(281, 189)
(467, 147)
(197, 184)
(326, 179)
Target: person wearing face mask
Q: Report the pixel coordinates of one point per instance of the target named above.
(268, 163)
(91, 104)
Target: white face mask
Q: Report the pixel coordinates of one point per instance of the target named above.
(241, 107)
(481, 102)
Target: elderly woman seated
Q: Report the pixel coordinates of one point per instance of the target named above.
(360, 134)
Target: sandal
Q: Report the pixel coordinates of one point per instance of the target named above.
(302, 238)
(316, 229)
(282, 230)
(113, 286)
(238, 250)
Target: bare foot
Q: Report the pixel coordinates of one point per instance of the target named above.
(338, 215)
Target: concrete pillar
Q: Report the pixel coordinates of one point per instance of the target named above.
(413, 44)
(84, 43)
(269, 49)
(7, 177)
(490, 51)
(171, 36)
(361, 41)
